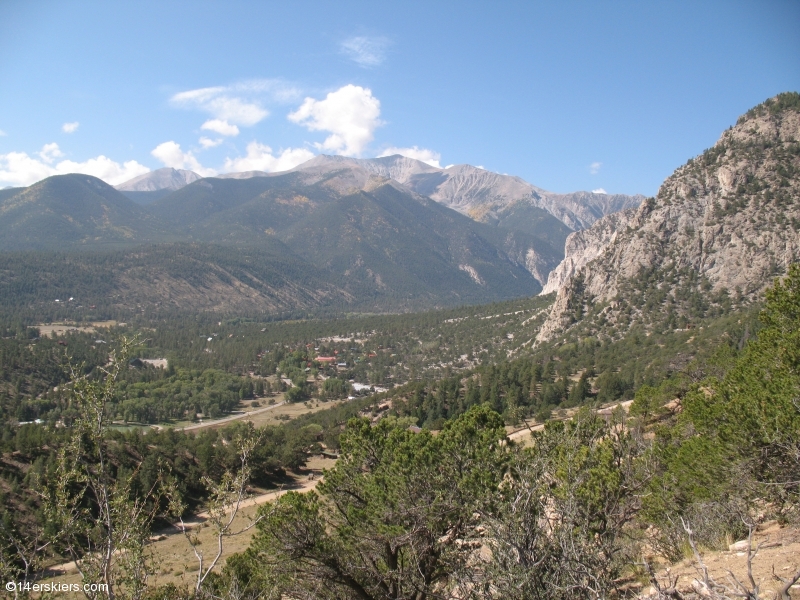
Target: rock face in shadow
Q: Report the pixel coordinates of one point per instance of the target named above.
(726, 222)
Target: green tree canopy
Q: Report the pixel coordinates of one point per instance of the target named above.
(387, 520)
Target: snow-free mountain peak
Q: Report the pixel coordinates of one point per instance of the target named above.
(721, 227)
(483, 195)
(160, 179)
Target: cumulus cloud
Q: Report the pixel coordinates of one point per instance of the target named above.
(351, 115)
(599, 191)
(221, 127)
(104, 168)
(260, 158)
(222, 105)
(50, 152)
(238, 104)
(70, 127)
(594, 168)
(171, 155)
(207, 143)
(423, 154)
(365, 51)
(20, 169)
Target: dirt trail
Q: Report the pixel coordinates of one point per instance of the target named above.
(301, 486)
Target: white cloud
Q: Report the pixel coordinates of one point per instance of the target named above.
(221, 127)
(221, 104)
(20, 169)
(171, 155)
(365, 51)
(238, 104)
(599, 191)
(594, 168)
(70, 127)
(50, 152)
(2, 133)
(260, 158)
(207, 143)
(351, 114)
(104, 168)
(427, 156)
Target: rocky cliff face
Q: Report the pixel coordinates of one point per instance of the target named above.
(722, 226)
(584, 246)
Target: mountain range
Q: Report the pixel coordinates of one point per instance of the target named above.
(480, 194)
(383, 232)
(394, 233)
(151, 186)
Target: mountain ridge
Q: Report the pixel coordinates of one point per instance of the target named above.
(482, 195)
(721, 227)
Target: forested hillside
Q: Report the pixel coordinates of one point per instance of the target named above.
(73, 210)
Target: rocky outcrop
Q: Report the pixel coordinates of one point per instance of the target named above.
(584, 246)
(728, 220)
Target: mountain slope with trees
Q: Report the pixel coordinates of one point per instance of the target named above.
(66, 211)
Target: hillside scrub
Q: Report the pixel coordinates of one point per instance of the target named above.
(738, 437)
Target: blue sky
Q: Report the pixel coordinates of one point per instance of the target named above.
(567, 95)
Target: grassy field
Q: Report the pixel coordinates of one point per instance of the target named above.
(48, 329)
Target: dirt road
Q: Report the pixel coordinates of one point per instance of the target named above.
(235, 417)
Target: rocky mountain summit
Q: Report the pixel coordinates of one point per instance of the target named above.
(719, 230)
(160, 179)
(483, 195)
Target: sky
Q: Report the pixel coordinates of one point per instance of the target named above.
(568, 95)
